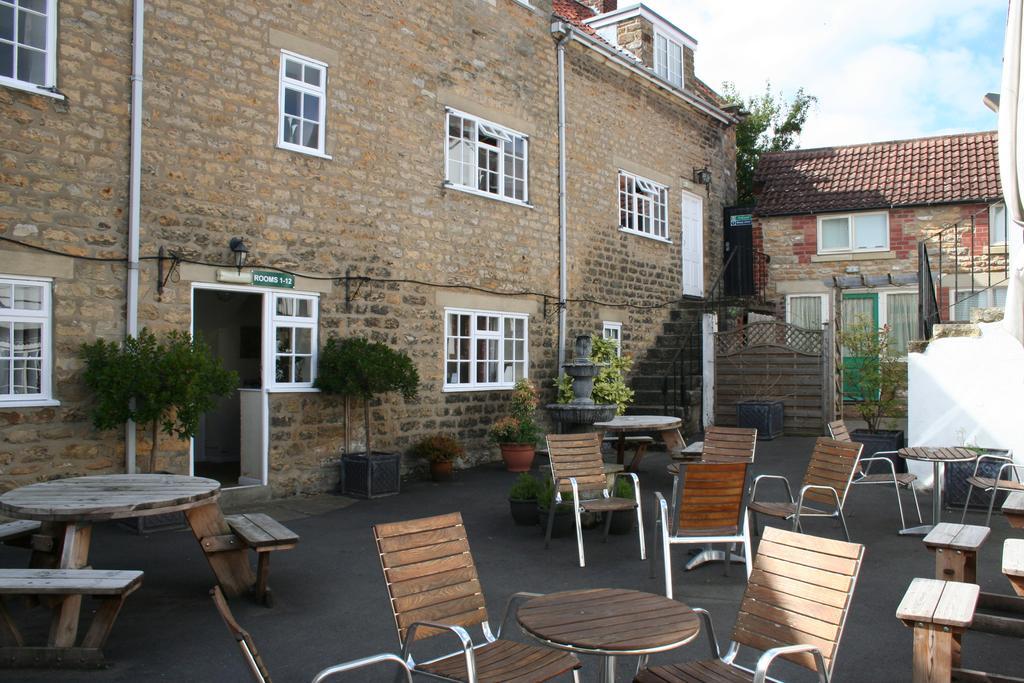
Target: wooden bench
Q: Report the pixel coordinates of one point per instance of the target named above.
(21, 533)
(939, 612)
(1013, 508)
(265, 535)
(1013, 563)
(956, 549)
(111, 587)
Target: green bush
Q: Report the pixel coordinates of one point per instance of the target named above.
(610, 383)
(519, 427)
(547, 495)
(168, 383)
(624, 488)
(438, 448)
(873, 375)
(526, 487)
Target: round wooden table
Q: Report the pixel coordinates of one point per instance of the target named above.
(609, 622)
(69, 507)
(667, 427)
(936, 456)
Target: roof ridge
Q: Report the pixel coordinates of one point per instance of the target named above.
(881, 142)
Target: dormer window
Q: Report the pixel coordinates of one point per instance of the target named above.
(668, 59)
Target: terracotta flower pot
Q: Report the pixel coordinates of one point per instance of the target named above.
(518, 457)
(441, 470)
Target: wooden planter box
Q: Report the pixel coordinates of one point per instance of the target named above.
(882, 440)
(954, 482)
(370, 477)
(765, 416)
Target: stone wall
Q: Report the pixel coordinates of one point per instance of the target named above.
(377, 208)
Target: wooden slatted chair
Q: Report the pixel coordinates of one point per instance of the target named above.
(899, 480)
(578, 469)
(434, 590)
(795, 606)
(993, 485)
(826, 481)
(711, 509)
(259, 670)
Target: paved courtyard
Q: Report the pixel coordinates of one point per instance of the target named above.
(332, 605)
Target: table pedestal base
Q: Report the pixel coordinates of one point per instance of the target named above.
(922, 530)
(709, 555)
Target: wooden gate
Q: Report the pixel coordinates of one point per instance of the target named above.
(776, 361)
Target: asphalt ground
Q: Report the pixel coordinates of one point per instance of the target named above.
(332, 604)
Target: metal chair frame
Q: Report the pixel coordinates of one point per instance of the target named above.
(580, 506)
(668, 532)
(1008, 464)
(862, 472)
(800, 509)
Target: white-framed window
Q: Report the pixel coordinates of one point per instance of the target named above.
(967, 301)
(28, 44)
(293, 323)
(302, 104)
(25, 345)
(484, 349)
(613, 331)
(486, 158)
(643, 206)
(997, 224)
(808, 311)
(853, 232)
(668, 59)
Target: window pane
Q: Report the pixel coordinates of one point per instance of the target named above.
(303, 340)
(285, 306)
(902, 317)
(293, 69)
(28, 340)
(27, 376)
(999, 297)
(302, 366)
(303, 308)
(5, 340)
(31, 66)
(35, 5)
(311, 107)
(5, 296)
(6, 60)
(312, 75)
(284, 340)
(835, 233)
(291, 130)
(871, 232)
(997, 224)
(283, 369)
(452, 373)
(32, 29)
(311, 134)
(28, 297)
(292, 100)
(5, 377)
(6, 22)
(805, 312)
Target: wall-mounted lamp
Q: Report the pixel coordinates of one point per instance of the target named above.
(241, 252)
(702, 176)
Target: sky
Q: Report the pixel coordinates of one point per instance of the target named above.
(881, 69)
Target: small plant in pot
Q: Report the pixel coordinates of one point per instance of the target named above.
(522, 499)
(563, 523)
(874, 377)
(441, 451)
(358, 368)
(517, 434)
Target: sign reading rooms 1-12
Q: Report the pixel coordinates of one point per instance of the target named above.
(265, 278)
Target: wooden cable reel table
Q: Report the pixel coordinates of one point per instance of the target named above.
(609, 622)
(667, 428)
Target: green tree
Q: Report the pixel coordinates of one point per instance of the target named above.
(772, 124)
(168, 383)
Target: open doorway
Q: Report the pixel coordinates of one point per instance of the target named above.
(228, 445)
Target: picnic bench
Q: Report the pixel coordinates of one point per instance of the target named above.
(939, 612)
(1013, 508)
(1013, 563)
(265, 535)
(956, 549)
(25, 533)
(67, 587)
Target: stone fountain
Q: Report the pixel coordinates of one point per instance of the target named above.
(581, 410)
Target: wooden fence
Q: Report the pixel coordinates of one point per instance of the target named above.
(776, 361)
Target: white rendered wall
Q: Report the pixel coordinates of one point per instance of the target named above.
(967, 391)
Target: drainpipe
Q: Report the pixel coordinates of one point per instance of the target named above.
(134, 206)
(561, 29)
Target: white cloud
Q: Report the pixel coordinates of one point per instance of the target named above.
(881, 69)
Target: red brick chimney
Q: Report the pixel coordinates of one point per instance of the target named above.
(601, 6)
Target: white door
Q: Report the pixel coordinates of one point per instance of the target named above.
(693, 245)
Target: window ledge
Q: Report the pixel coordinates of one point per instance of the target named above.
(1000, 248)
(628, 231)
(448, 185)
(459, 388)
(854, 256)
(293, 390)
(30, 403)
(307, 152)
(30, 88)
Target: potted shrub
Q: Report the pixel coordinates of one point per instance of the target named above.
(358, 368)
(610, 383)
(516, 435)
(440, 450)
(564, 523)
(873, 379)
(623, 520)
(522, 499)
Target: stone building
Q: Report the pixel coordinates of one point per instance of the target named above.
(842, 227)
(392, 172)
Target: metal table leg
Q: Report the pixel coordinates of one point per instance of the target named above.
(925, 529)
(608, 674)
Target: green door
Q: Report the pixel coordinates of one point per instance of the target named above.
(857, 309)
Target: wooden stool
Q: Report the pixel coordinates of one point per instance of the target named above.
(939, 612)
(956, 550)
(265, 535)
